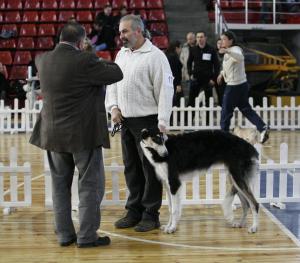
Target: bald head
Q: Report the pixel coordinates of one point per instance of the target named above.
(191, 38)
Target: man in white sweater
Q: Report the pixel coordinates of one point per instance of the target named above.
(143, 99)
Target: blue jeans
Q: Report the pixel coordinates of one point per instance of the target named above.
(100, 47)
(237, 96)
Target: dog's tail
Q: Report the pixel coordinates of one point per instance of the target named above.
(243, 180)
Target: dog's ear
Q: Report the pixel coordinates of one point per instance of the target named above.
(145, 134)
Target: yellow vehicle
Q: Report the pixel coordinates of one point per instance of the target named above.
(271, 68)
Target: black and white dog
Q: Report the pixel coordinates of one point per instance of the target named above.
(180, 156)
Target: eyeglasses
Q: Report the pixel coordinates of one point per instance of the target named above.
(117, 127)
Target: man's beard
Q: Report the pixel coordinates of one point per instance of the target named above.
(129, 44)
(126, 43)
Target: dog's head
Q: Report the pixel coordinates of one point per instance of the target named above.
(154, 142)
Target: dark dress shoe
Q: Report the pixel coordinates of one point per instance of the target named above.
(126, 222)
(146, 225)
(101, 241)
(68, 243)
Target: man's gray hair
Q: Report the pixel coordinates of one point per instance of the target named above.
(136, 22)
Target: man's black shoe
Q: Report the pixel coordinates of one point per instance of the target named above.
(68, 243)
(146, 225)
(126, 222)
(264, 135)
(101, 241)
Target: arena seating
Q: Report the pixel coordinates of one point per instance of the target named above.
(234, 12)
(36, 23)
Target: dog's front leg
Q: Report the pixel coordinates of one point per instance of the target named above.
(169, 199)
(175, 212)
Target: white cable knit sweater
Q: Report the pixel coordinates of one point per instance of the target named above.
(147, 86)
(234, 66)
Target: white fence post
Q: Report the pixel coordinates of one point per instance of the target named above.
(13, 170)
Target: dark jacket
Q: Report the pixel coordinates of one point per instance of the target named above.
(73, 116)
(206, 63)
(176, 67)
(106, 35)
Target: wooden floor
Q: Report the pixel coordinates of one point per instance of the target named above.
(27, 235)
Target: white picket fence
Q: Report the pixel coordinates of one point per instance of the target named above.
(280, 117)
(214, 184)
(15, 183)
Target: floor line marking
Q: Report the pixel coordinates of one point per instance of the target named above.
(200, 247)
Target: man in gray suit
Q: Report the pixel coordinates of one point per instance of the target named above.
(72, 127)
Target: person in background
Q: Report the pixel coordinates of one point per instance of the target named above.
(106, 16)
(102, 36)
(237, 88)
(203, 66)
(123, 12)
(143, 99)
(72, 128)
(172, 53)
(184, 55)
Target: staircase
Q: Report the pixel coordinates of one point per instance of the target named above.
(188, 16)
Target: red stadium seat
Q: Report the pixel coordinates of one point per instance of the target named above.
(84, 4)
(7, 44)
(255, 4)
(22, 58)
(66, 4)
(137, 4)
(157, 15)
(5, 71)
(14, 4)
(11, 27)
(46, 30)
(84, 16)
(49, 4)
(293, 19)
(45, 43)
(25, 43)
(114, 54)
(142, 13)
(63, 16)
(1, 17)
(159, 28)
(155, 4)
(28, 30)
(104, 54)
(224, 4)
(18, 72)
(5, 57)
(237, 4)
(12, 17)
(117, 4)
(99, 4)
(30, 16)
(48, 16)
(2, 4)
(160, 41)
(32, 4)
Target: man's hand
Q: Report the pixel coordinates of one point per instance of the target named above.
(212, 83)
(220, 79)
(178, 89)
(116, 115)
(162, 128)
